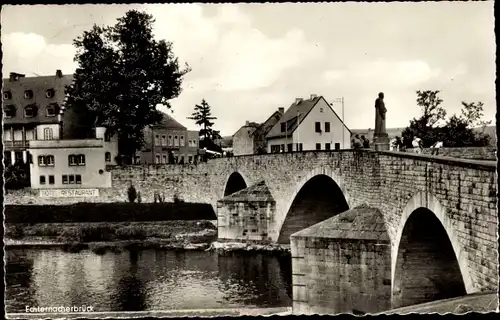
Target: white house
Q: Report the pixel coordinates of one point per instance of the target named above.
(72, 163)
(309, 124)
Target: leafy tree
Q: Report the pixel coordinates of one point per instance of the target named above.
(425, 127)
(17, 176)
(202, 116)
(123, 75)
(459, 130)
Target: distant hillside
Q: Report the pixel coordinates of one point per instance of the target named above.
(396, 132)
(225, 142)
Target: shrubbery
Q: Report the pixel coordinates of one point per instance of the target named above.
(108, 212)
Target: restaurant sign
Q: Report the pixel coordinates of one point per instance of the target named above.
(68, 193)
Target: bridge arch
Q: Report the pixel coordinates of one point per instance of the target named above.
(318, 196)
(425, 233)
(235, 182)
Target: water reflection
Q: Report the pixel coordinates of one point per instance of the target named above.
(138, 280)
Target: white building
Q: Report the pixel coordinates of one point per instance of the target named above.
(72, 163)
(309, 124)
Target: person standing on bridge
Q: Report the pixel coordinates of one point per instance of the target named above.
(435, 148)
(417, 144)
(366, 143)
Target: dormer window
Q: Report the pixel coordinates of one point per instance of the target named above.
(7, 95)
(28, 94)
(51, 110)
(9, 111)
(30, 111)
(49, 93)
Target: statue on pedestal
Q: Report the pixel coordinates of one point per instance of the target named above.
(380, 111)
(380, 136)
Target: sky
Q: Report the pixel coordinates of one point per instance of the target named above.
(248, 60)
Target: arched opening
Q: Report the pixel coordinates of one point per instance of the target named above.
(426, 266)
(319, 199)
(234, 184)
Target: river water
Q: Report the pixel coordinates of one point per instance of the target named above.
(145, 280)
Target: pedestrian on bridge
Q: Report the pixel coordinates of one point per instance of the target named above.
(417, 144)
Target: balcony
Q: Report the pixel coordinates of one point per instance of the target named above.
(16, 145)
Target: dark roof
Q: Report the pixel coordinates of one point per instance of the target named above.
(301, 109)
(264, 128)
(169, 122)
(254, 125)
(38, 86)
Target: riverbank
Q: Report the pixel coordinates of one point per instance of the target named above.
(101, 237)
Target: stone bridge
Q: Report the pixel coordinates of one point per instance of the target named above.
(400, 228)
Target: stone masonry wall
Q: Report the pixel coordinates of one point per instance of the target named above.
(332, 276)
(461, 193)
(244, 220)
(476, 153)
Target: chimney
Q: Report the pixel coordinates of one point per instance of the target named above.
(59, 73)
(247, 123)
(281, 110)
(313, 96)
(298, 100)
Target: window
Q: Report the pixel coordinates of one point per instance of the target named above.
(28, 94)
(47, 134)
(51, 110)
(45, 161)
(7, 95)
(176, 141)
(9, 111)
(182, 141)
(318, 146)
(337, 146)
(71, 179)
(164, 158)
(290, 147)
(163, 140)
(318, 126)
(300, 147)
(327, 126)
(283, 126)
(107, 156)
(321, 110)
(49, 93)
(65, 179)
(157, 140)
(30, 111)
(282, 148)
(190, 159)
(78, 179)
(327, 146)
(42, 179)
(76, 159)
(170, 143)
(107, 137)
(51, 179)
(157, 159)
(50, 160)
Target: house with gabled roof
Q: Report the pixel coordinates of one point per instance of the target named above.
(251, 138)
(309, 124)
(169, 142)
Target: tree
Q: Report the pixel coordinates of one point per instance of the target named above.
(425, 127)
(202, 116)
(17, 176)
(123, 75)
(459, 130)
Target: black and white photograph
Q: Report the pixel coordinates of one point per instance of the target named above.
(249, 159)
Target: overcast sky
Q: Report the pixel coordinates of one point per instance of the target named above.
(250, 59)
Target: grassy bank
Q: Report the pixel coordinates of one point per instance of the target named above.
(105, 236)
(108, 212)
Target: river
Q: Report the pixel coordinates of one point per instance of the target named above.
(145, 280)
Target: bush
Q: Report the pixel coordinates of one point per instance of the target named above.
(131, 233)
(132, 194)
(14, 232)
(108, 212)
(17, 176)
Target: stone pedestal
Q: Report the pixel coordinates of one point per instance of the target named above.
(381, 143)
